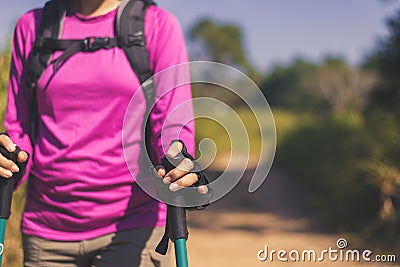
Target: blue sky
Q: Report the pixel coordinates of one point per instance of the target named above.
(274, 31)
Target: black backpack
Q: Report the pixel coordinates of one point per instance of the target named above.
(129, 35)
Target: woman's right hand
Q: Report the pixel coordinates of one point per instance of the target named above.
(8, 167)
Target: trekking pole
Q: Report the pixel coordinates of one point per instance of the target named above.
(178, 233)
(176, 228)
(3, 223)
(6, 193)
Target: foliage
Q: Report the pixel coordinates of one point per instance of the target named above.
(332, 86)
(387, 179)
(386, 60)
(287, 121)
(346, 89)
(223, 43)
(383, 117)
(285, 86)
(4, 73)
(13, 246)
(348, 157)
(326, 156)
(338, 128)
(207, 128)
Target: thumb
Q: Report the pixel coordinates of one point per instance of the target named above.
(22, 156)
(174, 149)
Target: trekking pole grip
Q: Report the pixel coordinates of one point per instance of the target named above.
(7, 185)
(176, 224)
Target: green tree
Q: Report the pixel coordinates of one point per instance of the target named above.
(346, 89)
(383, 119)
(224, 44)
(4, 74)
(386, 60)
(285, 86)
(330, 87)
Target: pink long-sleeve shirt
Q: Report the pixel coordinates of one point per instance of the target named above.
(80, 186)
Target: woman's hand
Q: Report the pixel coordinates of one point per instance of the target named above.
(8, 167)
(180, 177)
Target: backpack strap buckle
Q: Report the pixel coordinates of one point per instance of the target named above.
(134, 39)
(95, 43)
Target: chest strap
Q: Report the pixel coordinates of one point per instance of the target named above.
(90, 44)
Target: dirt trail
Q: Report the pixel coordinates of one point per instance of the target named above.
(234, 229)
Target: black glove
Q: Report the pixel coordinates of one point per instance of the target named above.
(169, 163)
(7, 185)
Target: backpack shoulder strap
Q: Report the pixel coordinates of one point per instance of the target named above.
(51, 27)
(129, 28)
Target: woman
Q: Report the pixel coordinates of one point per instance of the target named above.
(82, 206)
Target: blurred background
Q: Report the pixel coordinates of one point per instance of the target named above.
(330, 71)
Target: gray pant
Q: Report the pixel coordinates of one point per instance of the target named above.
(133, 248)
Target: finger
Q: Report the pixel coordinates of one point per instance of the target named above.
(182, 169)
(161, 171)
(7, 143)
(174, 149)
(203, 189)
(22, 156)
(5, 173)
(8, 165)
(154, 170)
(185, 181)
